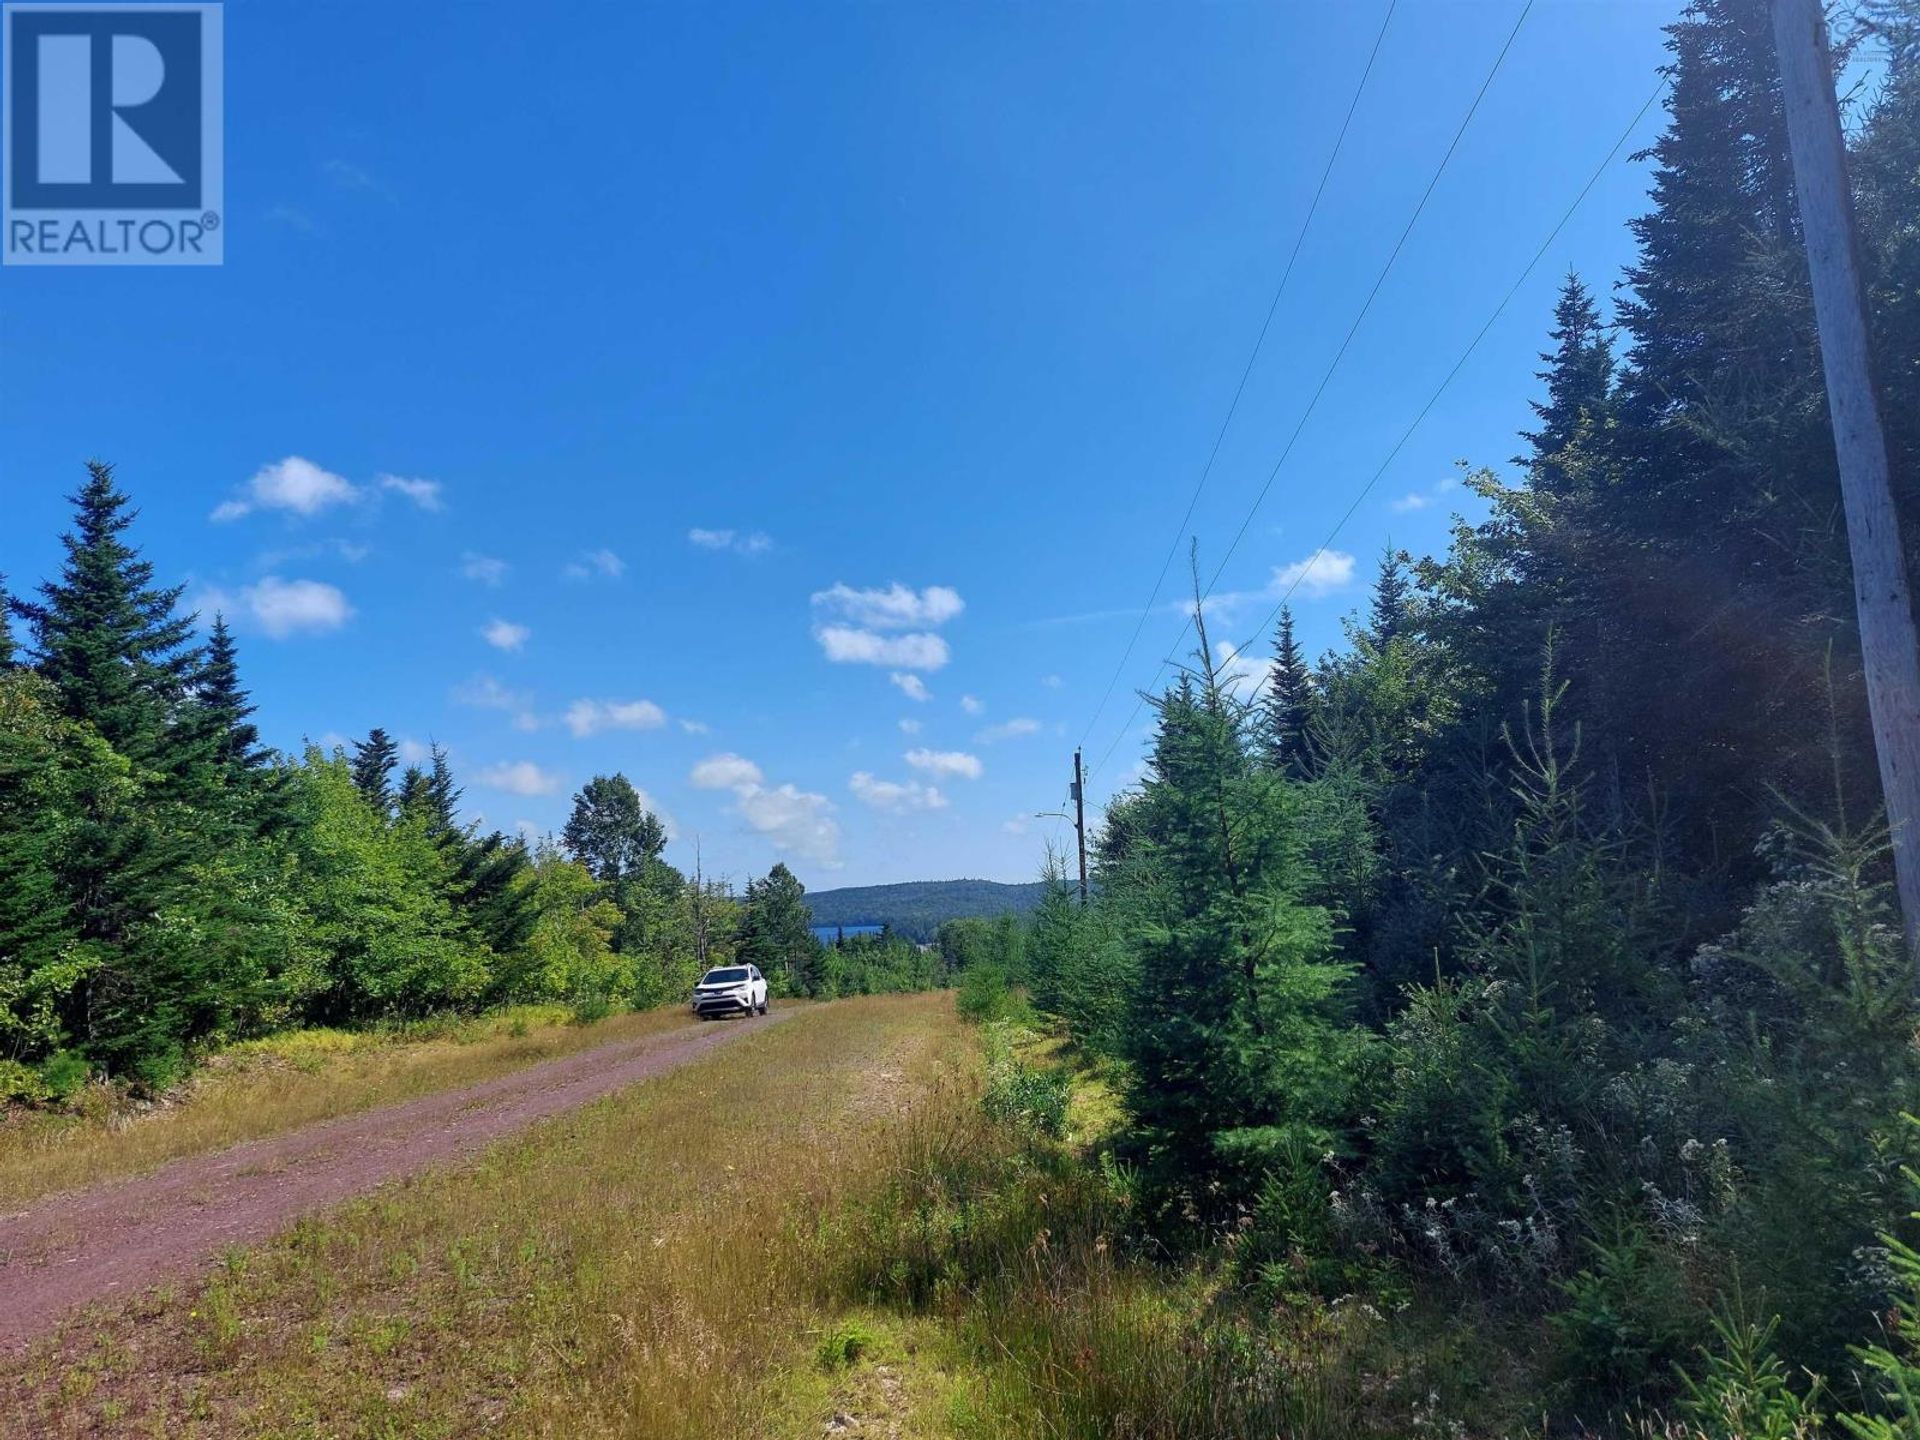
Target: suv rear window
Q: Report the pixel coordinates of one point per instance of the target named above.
(724, 977)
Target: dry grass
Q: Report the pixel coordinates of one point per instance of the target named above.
(659, 1264)
(269, 1086)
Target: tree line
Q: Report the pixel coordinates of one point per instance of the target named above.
(169, 883)
(1535, 949)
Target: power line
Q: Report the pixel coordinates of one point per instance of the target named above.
(1432, 400)
(1465, 355)
(1314, 401)
(1246, 372)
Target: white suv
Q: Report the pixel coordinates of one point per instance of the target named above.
(731, 990)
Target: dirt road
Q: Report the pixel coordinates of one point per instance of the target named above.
(119, 1238)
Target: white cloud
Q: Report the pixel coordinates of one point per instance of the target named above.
(909, 727)
(294, 484)
(1409, 502)
(971, 705)
(896, 797)
(603, 563)
(946, 763)
(912, 686)
(1052, 682)
(423, 493)
(484, 568)
(1319, 574)
(898, 607)
(695, 727)
(590, 717)
(793, 819)
(845, 645)
(725, 772)
(282, 607)
(505, 635)
(412, 752)
(483, 692)
(1008, 730)
(1017, 825)
(518, 777)
(755, 542)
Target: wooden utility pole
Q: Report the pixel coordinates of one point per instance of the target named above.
(1888, 647)
(1080, 820)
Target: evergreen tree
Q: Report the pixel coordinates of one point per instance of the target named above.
(443, 795)
(1287, 706)
(1579, 379)
(415, 798)
(1239, 1049)
(1390, 592)
(611, 831)
(374, 759)
(109, 640)
(775, 932)
(223, 708)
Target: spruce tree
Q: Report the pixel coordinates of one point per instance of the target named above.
(776, 934)
(374, 759)
(1389, 614)
(415, 803)
(443, 796)
(112, 642)
(1287, 705)
(1579, 380)
(224, 709)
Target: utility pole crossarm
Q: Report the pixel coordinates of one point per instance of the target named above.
(1889, 652)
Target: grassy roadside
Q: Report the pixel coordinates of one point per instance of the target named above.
(659, 1263)
(265, 1087)
(848, 1225)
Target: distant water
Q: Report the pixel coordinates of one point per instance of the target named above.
(826, 934)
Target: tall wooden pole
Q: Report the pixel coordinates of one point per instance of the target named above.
(1080, 821)
(1887, 642)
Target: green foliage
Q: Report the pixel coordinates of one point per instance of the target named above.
(1032, 1098)
(844, 1345)
(1743, 1391)
(986, 995)
(1628, 1320)
(610, 831)
(1893, 1364)
(775, 935)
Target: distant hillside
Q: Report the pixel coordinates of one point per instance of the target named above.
(916, 908)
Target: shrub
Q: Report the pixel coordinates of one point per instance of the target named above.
(844, 1344)
(1628, 1319)
(985, 994)
(63, 1073)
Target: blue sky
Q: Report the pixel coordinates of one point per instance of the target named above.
(791, 406)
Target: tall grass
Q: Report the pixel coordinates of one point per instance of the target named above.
(1016, 1244)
